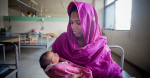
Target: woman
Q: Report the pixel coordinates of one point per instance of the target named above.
(83, 44)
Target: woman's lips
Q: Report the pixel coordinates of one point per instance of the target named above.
(75, 32)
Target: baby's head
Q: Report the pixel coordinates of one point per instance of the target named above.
(48, 58)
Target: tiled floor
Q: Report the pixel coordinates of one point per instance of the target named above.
(29, 64)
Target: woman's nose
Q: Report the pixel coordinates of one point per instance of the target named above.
(73, 26)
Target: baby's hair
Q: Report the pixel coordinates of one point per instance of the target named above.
(44, 62)
(74, 8)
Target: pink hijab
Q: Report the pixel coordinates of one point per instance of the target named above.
(96, 55)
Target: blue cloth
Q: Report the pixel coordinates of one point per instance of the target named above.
(3, 69)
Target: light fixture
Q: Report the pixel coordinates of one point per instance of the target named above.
(34, 2)
(28, 5)
(23, 3)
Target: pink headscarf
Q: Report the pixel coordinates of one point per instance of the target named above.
(96, 54)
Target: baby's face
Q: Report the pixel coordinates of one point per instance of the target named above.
(53, 57)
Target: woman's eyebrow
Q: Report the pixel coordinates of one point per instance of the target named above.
(75, 20)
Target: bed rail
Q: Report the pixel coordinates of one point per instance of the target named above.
(36, 40)
(122, 51)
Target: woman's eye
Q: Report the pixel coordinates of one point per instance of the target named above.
(79, 23)
(71, 22)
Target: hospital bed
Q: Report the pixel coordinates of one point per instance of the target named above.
(38, 42)
(124, 73)
(5, 71)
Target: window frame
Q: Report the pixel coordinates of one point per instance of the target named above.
(106, 6)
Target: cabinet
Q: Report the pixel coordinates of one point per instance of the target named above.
(5, 34)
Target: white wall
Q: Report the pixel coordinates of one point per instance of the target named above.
(136, 42)
(99, 6)
(27, 26)
(12, 12)
(3, 11)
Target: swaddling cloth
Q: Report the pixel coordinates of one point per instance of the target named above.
(66, 69)
(51, 65)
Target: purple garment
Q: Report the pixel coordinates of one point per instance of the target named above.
(67, 69)
(96, 55)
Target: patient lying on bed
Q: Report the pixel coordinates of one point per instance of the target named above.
(51, 61)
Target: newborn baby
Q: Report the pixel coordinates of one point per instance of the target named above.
(51, 61)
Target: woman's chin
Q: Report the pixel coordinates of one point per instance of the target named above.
(77, 35)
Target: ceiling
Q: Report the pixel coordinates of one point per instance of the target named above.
(54, 8)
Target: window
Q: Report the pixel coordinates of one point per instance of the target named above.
(108, 1)
(118, 14)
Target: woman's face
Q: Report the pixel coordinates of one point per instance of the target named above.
(75, 24)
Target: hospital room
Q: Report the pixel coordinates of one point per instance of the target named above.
(74, 38)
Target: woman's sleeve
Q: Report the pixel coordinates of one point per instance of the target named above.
(58, 42)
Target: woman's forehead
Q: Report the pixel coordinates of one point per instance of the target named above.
(74, 15)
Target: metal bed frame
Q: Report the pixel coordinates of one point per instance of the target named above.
(124, 73)
(10, 72)
(7, 38)
(36, 45)
(33, 45)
